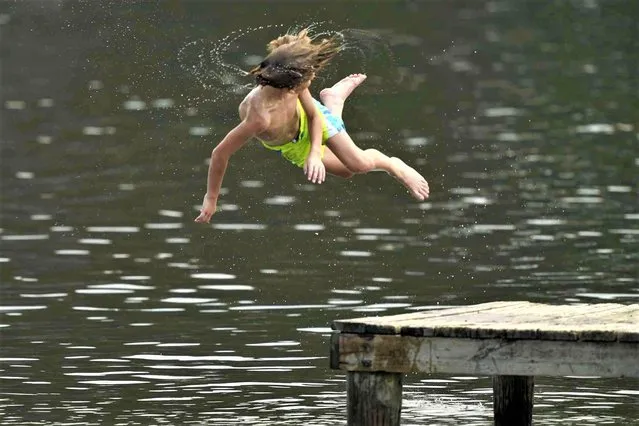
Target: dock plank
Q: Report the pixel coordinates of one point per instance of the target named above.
(408, 354)
(509, 320)
(546, 324)
(392, 324)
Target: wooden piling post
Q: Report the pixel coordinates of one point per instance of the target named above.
(513, 400)
(374, 399)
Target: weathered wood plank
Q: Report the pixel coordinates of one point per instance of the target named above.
(404, 354)
(628, 337)
(540, 331)
(511, 320)
(373, 399)
(513, 400)
(391, 324)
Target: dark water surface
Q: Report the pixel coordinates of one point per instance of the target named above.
(118, 309)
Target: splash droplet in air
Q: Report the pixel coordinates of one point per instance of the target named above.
(210, 63)
(215, 64)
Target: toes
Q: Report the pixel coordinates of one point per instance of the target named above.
(357, 76)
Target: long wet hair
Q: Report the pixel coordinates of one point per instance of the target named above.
(294, 59)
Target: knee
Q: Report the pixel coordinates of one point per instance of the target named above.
(364, 163)
(360, 166)
(328, 94)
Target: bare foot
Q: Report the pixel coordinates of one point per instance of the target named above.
(411, 179)
(340, 90)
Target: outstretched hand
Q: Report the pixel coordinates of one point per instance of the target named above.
(314, 168)
(209, 206)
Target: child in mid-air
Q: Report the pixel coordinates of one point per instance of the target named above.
(281, 113)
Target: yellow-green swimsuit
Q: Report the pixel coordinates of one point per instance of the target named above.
(297, 150)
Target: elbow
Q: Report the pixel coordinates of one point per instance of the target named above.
(219, 154)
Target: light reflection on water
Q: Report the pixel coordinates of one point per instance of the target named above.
(116, 308)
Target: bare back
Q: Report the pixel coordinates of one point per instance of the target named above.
(278, 108)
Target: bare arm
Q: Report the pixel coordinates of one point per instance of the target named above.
(220, 155)
(314, 121)
(313, 167)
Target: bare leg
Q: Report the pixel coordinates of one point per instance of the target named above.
(334, 165)
(333, 97)
(344, 158)
(363, 161)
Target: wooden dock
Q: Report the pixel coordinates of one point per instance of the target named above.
(510, 341)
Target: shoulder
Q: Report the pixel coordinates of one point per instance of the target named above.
(253, 114)
(304, 95)
(255, 119)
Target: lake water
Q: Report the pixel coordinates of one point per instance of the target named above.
(117, 309)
